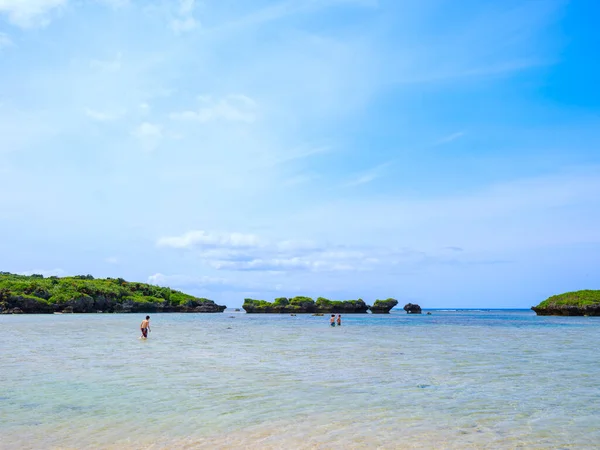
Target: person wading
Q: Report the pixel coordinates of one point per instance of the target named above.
(145, 327)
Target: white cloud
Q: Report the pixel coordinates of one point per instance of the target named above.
(112, 260)
(199, 238)
(204, 283)
(183, 280)
(233, 108)
(30, 13)
(283, 265)
(148, 134)
(185, 21)
(297, 245)
(45, 273)
(115, 3)
(243, 252)
(186, 7)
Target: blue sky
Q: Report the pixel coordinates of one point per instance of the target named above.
(443, 154)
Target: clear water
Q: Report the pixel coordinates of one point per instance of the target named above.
(455, 379)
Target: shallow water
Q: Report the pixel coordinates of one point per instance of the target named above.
(455, 379)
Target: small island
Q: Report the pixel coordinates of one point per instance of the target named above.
(20, 294)
(322, 305)
(411, 308)
(383, 306)
(305, 305)
(579, 303)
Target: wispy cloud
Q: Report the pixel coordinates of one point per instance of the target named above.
(185, 280)
(301, 153)
(514, 215)
(148, 134)
(233, 107)
(473, 72)
(494, 40)
(370, 175)
(244, 252)
(184, 20)
(450, 138)
(115, 3)
(44, 272)
(200, 238)
(30, 13)
(283, 9)
(203, 283)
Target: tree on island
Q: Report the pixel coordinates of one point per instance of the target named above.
(85, 294)
(322, 305)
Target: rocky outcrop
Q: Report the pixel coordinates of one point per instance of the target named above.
(16, 304)
(383, 306)
(204, 306)
(305, 305)
(567, 310)
(412, 308)
(578, 303)
(89, 304)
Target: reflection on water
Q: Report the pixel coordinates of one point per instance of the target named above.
(455, 379)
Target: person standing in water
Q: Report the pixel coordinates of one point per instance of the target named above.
(145, 327)
(332, 320)
(339, 320)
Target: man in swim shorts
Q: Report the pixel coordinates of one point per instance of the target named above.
(339, 320)
(145, 327)
(332, 320)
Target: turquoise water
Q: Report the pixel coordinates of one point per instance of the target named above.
(455, 379)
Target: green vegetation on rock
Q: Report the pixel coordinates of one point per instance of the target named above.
(578, 303)
(83, 293)
(383, 306)
(305, 305)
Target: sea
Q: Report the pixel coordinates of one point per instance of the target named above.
(454, 379)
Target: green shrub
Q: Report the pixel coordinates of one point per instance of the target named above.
(577, 298)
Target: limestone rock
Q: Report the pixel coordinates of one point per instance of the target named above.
(383, 306)
(412, 308)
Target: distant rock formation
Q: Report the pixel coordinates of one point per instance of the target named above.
(579, 303)
(305, 305)
(383, 306)
(412, 309)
